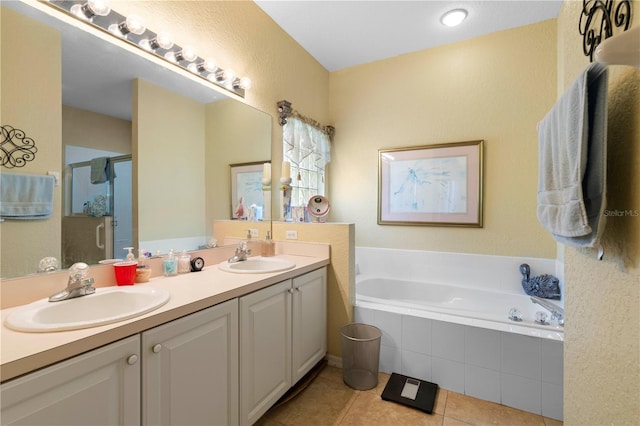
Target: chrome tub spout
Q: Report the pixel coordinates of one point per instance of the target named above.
(557, 313)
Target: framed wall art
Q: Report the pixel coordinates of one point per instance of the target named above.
(433, 185)
(246, 190)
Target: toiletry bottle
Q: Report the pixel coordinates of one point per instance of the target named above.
(130, 255)
(184, 263)
(170, 264)
(142, 259)
(268, 246)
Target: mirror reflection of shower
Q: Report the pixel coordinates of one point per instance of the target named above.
(97, 219)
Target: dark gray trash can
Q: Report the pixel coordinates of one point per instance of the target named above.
(360, 355)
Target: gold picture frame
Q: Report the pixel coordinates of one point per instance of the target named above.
(431, 185)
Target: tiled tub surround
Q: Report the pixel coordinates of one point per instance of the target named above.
(497, 365)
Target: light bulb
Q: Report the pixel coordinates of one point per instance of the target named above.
(91, 9)
(163, 40)
(209, 65)
(171, 57)
(186, 54)
(245, 83)
(229, 75)
(453, 17)
(132, 25)
(99, 7)
(242, 83)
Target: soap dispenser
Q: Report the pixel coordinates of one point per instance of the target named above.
(170, 264)
(184, 263)
(130, 255)
(268, 246)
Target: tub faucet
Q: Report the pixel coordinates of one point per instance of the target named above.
(241, 253)
(557, 313)
(78, 285)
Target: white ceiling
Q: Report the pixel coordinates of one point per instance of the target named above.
(340, 34)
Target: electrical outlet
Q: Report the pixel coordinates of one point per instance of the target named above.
(291, 235)
(254, 233)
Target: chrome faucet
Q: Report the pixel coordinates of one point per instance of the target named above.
(241, 253)
(557, 313)
(78, 285)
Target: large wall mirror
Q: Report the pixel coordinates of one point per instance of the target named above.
(165, 141)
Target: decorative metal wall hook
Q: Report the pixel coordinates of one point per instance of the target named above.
(16, 149)
(597, 20)
(284, 109)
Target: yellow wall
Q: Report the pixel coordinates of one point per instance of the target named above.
(169, 145)
(31, 82)
(602, 331)
(235, 133)
(239, 35)
(97, 131)
(496, 87)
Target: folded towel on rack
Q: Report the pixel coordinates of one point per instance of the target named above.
(572, 161)
(26, 197)
(100, 170)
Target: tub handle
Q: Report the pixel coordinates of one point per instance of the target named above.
(515, 315)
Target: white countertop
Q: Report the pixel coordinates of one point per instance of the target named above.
(22, 352)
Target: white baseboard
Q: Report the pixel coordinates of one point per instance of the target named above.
(334, 361)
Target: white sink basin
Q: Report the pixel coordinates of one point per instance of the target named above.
(105, 306)
(258, 265)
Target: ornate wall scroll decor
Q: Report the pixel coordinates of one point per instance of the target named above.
(597, 20)
(16, 149)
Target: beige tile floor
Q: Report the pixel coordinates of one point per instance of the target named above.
(328, 401)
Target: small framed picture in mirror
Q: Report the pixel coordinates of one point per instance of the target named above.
(247, 201)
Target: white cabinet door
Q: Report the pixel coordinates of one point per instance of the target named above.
(309, 321)
(190, 369)
(265, 354)
(101, 387)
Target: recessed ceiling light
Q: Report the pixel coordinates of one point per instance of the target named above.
(453, 17)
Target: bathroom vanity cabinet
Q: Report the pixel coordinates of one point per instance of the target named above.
(192, 370)
(282, 336)
(188, 369)
(98, 387)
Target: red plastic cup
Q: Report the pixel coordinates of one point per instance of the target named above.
(125, 272)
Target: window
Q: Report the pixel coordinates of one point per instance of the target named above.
(308, 150)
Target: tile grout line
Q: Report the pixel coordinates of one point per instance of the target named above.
(346, 410)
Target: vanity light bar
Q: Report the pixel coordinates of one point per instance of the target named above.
(131, 30)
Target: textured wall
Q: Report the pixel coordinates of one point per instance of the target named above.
(496, 87)
(602, 298)
(31, 81)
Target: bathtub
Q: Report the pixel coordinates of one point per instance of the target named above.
(455, 304)
(455, 331)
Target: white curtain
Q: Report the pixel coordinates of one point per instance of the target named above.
(302, 140)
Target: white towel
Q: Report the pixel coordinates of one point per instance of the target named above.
(26, 196)
(572, 155)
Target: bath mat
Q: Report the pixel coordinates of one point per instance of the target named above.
(414, 393)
